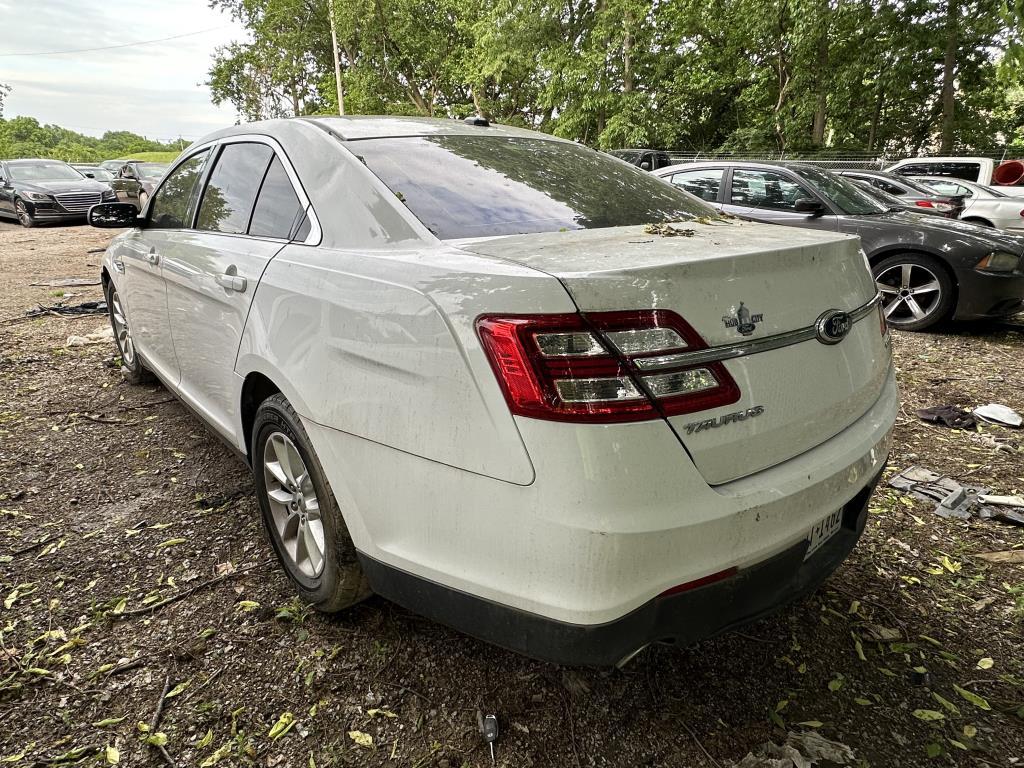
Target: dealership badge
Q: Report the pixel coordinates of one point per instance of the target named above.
(742, 320)
(832, 326)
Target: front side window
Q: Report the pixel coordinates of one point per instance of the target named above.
(704, 183)
(278, 211)
(173, 203)
(231, 191)
(462, 186)
(765, 189)
(950, 189)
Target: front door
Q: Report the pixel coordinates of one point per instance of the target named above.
(212, 277)
(139, 257)
(770, 196)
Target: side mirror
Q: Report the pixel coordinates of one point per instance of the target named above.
(113, 215)
(807, 205)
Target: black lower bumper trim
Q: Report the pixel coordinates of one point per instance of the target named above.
(679, 619)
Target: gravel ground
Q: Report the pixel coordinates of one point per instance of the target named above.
(113, 499)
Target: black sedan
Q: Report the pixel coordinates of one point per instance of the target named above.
(914, 193)
(32, 191)
(135, 181)
(927, 269)
(892, 202)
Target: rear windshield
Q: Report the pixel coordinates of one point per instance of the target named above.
(478, 186)
(843, 194)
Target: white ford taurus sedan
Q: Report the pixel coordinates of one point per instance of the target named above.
(510, 382)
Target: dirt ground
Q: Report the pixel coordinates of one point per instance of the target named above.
(114, 499)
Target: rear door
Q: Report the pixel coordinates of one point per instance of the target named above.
(770, 196)
(705, 183)
(249, 210)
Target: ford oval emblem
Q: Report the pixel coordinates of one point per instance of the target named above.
(832, 326)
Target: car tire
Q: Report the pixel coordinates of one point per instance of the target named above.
(132, 369)
(25, 218)
(300, 514)
(917, 290)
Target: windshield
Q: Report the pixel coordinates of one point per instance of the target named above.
(840, 191)
(151, 169)
(890, 201)
(917, 186)
(44, 172)
(100, 174)
(480, 186)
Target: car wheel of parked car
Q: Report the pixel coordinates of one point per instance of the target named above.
(917, 291)
(300, 512)
(132, 369)
(26, 218)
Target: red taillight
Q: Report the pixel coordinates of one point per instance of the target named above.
(923, 203)
(602, 367)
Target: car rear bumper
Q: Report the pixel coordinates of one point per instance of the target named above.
(678, 619)
(986, 295)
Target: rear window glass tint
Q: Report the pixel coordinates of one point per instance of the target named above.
(478, 186)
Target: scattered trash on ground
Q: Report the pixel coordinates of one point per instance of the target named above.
(1006, 556)
(1002, 501)
(68, 282)
(101, 335)
(85, 308)
(953, 499)
(999, 414)
(801, 750)
(949, 415)
(667, 230)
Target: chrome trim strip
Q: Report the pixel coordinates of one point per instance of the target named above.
(743, 348)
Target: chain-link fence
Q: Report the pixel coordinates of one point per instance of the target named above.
(836, 160)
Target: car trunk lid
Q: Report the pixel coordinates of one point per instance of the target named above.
(737, 284)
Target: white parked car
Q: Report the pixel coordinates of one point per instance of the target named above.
(984, 205)
(471, 376)
(976, 169)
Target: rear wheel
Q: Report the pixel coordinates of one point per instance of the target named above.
(300, 513)
(132, 369)
(26, 219)
(917, 291)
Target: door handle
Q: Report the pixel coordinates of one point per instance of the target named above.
(232, 282)
(153, 257)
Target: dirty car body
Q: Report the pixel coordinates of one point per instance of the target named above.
(543, 424)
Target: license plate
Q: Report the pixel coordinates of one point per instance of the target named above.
(822, 531)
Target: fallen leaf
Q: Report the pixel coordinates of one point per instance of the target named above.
(928, 715)
(985, 663)
(974, 698)
(282, 726)
(1005, 556)
(112, 755)
(360, 738)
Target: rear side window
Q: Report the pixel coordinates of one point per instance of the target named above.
(173, 203)
(703, 183)
(231, 191)
(278, 211)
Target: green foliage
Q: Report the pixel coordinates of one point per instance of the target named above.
(745, 75)
(25, 137)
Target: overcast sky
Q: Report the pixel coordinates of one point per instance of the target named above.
(155, 90)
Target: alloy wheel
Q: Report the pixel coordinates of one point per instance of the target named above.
(121, 330)
(24, 217)
(910, 292)
(294, 504)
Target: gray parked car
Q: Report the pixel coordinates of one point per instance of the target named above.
(926, 269)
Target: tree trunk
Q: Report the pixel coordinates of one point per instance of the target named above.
(627, 52)
(818, 128)
(876, 117)
(948, 73)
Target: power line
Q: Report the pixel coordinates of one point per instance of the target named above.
(122, 45)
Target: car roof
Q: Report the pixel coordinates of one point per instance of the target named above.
(34, 160)
(357, 127)
(871, 172)
(786, 165)
(945, 159)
